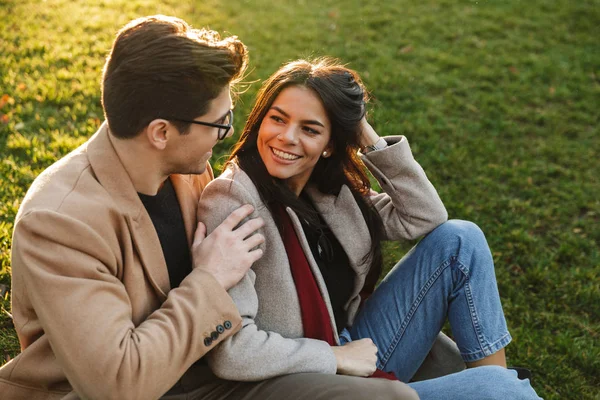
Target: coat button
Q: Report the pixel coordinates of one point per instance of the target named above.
(214, 335)
(207, 341)
(227, 324)
(220, 329)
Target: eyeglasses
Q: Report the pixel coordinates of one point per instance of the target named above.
(223, 128)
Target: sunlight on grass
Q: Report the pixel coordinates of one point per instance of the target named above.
(498, 99)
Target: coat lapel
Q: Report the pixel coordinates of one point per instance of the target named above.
(344, 218)
(114, 178)
(314, 268)
(188, 192)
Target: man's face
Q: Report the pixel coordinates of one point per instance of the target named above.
(189, 153)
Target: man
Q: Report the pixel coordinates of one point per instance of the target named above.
(117, 292)
(98, 307)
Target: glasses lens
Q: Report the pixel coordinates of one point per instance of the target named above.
(228, 120)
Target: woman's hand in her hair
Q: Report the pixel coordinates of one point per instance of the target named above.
(356, 358)
(368, 136)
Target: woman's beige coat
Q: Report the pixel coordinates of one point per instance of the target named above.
(271, 341)
(90, 285)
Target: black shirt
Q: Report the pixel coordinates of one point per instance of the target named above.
(165, 212)
(334, 265)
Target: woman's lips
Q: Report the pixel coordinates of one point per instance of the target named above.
(284, 155)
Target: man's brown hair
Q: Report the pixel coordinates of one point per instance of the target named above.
(159, 67)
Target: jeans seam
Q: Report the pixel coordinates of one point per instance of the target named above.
(424, 290)
(484, 349)
(487, 350)
(471, 303)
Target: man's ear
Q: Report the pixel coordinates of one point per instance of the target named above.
(158, 132)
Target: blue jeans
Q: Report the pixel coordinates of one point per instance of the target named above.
(449, 274)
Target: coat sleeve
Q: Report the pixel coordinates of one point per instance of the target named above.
(253, 353)
(409, 206)
(71, 275)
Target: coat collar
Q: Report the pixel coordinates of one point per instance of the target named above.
(113, 176)
(340, 213)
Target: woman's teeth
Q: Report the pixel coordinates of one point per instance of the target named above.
(285, 156)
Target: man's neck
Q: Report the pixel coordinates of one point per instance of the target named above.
(143, 165)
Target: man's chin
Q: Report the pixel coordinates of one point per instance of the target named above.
(198, 171)
(191, 171)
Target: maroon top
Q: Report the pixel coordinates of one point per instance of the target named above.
(315, 317)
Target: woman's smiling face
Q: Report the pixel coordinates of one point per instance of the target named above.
(293, 135)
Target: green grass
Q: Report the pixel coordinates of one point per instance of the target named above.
(500, 101)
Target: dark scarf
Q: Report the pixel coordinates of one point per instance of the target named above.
(313, 310)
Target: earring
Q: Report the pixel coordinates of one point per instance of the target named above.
(325, 154)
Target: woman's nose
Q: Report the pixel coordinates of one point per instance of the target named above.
(288, 134)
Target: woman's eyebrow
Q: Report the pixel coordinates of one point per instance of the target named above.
(306, 121)
(280, 111)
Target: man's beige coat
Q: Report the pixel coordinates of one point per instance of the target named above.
(271, 342)
(90, 285)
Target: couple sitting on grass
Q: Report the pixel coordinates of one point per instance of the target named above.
(119, 291)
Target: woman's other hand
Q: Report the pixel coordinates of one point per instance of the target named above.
(356, 358)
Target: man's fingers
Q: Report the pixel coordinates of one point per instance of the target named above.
(200, 233)
(254, 240)
(249, 227)
(255, 255)
(237, 216)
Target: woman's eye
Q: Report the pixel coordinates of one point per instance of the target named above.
(310, 130)
(276, 119)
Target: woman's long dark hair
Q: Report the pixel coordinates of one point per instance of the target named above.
(343, 96)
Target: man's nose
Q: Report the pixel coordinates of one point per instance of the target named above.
(230, 132)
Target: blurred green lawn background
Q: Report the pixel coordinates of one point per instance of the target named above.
(499, 99)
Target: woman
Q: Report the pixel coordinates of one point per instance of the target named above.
(303, 301)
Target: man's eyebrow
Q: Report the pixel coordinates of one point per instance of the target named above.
(306, 121)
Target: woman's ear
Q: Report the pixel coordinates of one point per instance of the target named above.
(328, 151)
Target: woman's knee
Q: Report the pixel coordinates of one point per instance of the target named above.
(459, 229)
(457, 235)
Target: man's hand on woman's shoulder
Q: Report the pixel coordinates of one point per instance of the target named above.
(230, 250)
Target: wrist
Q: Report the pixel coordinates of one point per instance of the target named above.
(338, 354)
(368, 136)
(215, 274)
(377, 145)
